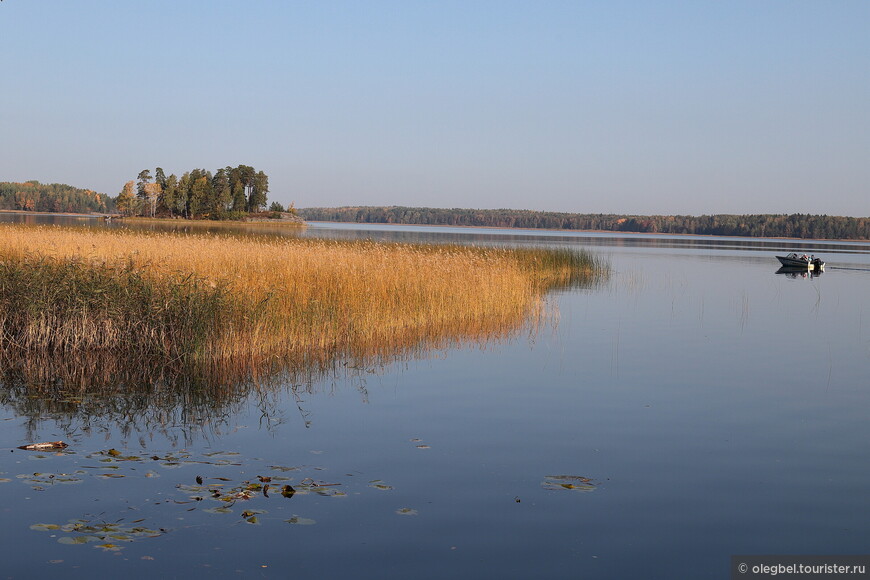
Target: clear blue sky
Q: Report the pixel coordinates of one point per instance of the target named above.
(650, 107)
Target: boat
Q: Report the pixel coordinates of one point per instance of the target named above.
(803, 261)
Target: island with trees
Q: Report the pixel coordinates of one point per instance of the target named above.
(806, 226)
(229, 193)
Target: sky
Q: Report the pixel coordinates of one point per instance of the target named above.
(631, 107)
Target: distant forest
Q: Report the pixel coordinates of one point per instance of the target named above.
(53, 197)
(764, 225)
(228, 193)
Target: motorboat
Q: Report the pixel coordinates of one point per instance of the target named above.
(803, 261)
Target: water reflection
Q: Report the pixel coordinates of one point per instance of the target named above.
(439, 234)
(102, 391)
(800, 272)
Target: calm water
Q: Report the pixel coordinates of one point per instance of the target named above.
(711, 406)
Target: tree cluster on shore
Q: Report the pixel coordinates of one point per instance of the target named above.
(758, 225)
(52, 197)
(228, 193)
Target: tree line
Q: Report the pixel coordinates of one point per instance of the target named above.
(53, 197)
(756, 225)
(228, 193)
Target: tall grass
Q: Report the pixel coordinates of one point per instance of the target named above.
(210, 299)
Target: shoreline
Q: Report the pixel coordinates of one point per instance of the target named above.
(61, 214)
(298, 221)
(303, 223)
(609, 232)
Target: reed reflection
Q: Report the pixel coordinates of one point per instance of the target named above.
(183, 400)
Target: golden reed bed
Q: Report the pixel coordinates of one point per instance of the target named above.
(217, 298)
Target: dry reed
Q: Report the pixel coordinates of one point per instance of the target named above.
(216, 298)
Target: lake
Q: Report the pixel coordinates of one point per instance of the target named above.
(694, 405)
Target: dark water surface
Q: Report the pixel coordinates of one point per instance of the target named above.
(701, 404)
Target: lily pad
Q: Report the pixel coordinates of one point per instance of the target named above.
(73, 540)
(219, 510)
(40, 480)
(284, 468)
(297, 521)
(86, 532)
(568, 482)
(108, 547)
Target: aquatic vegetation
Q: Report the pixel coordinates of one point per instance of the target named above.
(84, 531)
(149, 329)
(42, 481)
(212, 301)
(236, 498)
(378, 484)
(568, 482)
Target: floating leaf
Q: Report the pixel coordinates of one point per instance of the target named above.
(190, 488)
(297, 521)
(41, 479)
(219, 510)
(378, 484)
(88, 532)
(44, 527)
(328, 492)
(406, 512)
(249, 513)
(76, 539)
(569, 482)
(108, 547)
